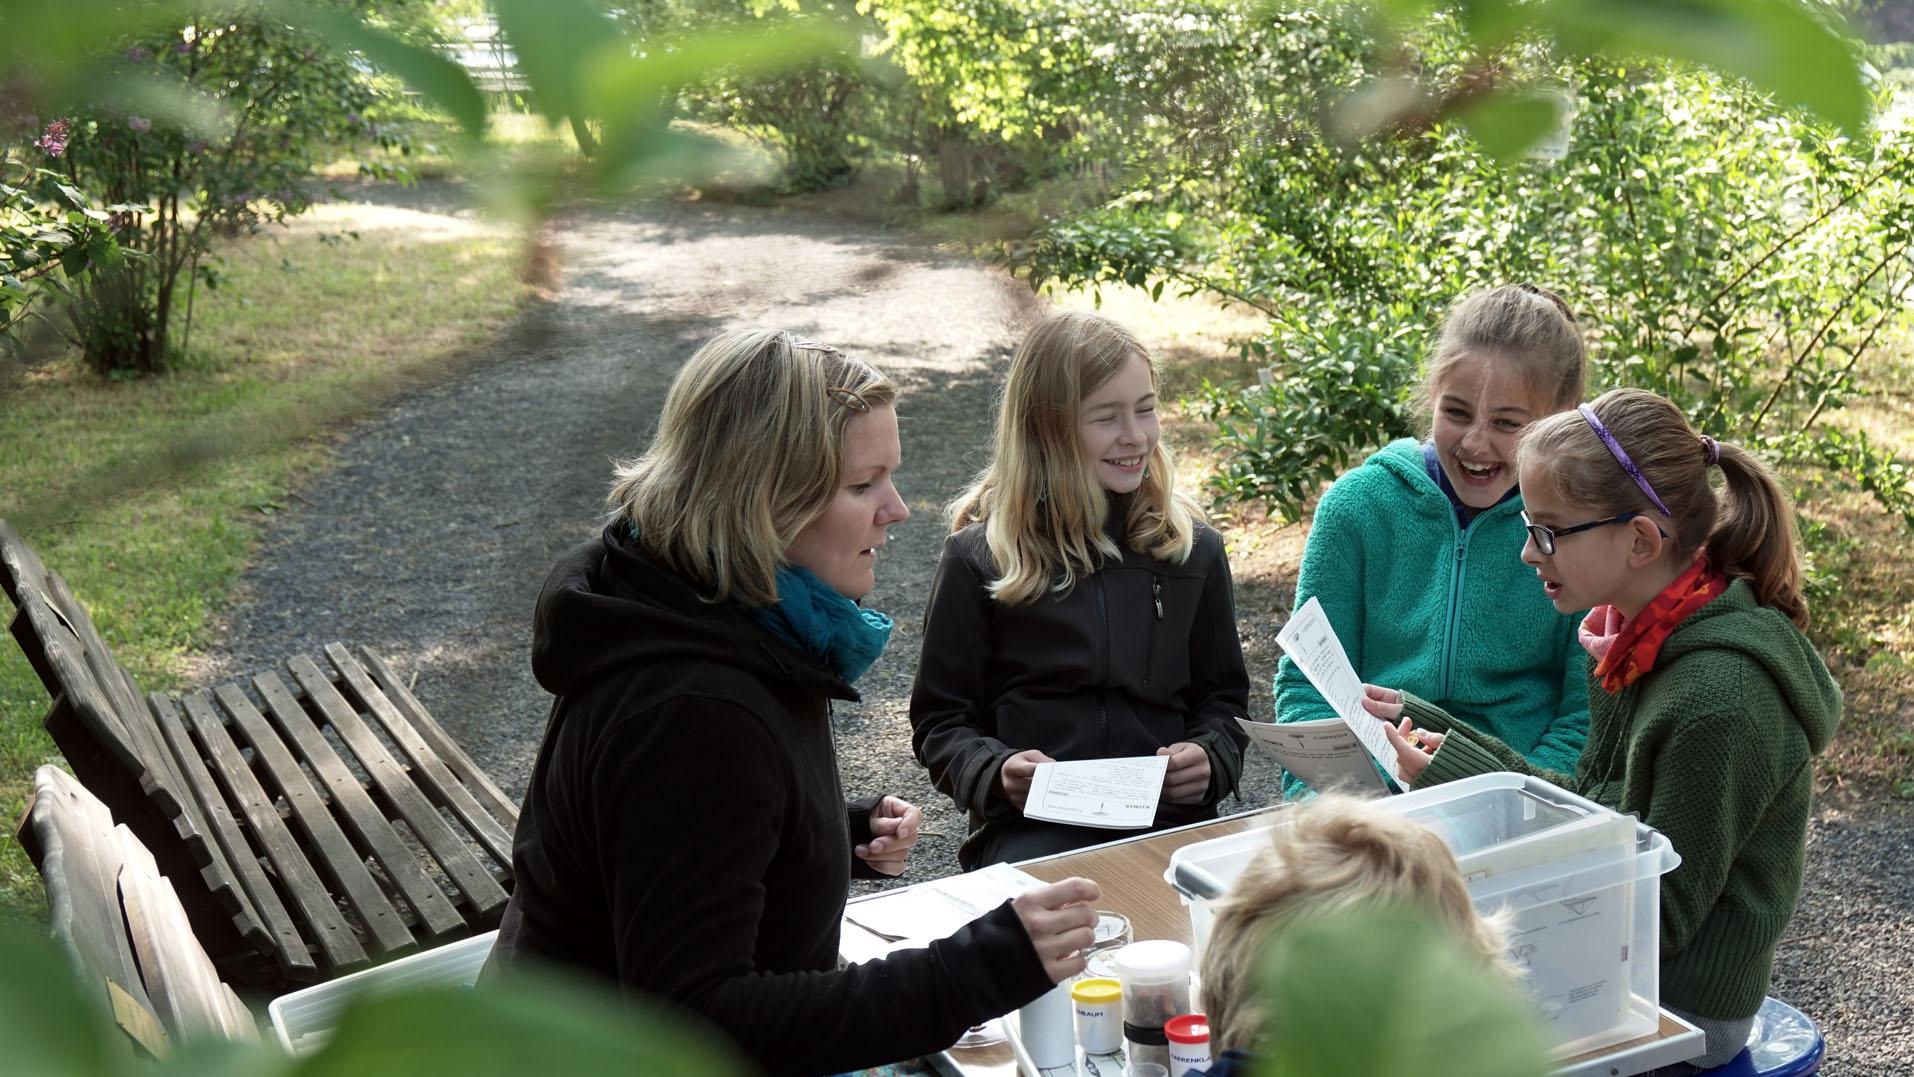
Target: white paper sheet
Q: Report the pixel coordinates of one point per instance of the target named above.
(935, 909)
(1326, 754)
(1120, 794)
(1310, 641)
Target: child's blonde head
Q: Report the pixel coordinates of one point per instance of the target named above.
(1746, 525)
(1334, 854)
(1530, 328)
(1039, 498)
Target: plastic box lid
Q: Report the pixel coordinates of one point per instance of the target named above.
(303, 1019)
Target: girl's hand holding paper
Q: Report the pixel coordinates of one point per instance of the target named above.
(1189, 775)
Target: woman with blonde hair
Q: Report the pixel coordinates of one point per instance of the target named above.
(1081, 610)
(684, 834)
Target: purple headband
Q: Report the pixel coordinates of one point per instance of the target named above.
(1615, 450)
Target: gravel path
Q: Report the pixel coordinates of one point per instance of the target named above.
(429, 537)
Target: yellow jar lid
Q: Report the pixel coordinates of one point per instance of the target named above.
(1096, 990)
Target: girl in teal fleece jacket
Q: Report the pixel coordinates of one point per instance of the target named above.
(1413, 554)
(1708, 703)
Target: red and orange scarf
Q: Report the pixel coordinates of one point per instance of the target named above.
(1624, 650)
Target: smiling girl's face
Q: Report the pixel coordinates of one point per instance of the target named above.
(1481, 406)
(1119, 427)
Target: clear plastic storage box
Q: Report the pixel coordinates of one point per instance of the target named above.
(303, 1019)
(1582, 884)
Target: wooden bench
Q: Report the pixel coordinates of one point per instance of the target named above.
(321, 822)
(122, 923)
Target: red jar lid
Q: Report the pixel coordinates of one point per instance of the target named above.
(1188, 1028)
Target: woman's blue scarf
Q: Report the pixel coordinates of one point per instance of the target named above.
(817, 619)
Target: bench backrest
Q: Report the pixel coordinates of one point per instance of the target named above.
(268, 809)
(118, 917)
(119, 749)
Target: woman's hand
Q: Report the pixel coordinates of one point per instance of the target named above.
(1061, 920)
(895, 823)
(1414, 747)
(1017, 772)
(1188, 777)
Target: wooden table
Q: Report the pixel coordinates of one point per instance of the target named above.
(1130, 872)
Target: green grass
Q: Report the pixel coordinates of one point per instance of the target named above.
(147, 495)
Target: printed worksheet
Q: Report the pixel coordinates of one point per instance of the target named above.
(935, 909)
(1310, 641)
(1117, 793)
(1325, 753)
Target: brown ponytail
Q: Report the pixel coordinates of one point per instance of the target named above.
(1747, 526)
(1753, 537)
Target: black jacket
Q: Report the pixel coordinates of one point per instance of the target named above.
(685, 833)
(1140, 655)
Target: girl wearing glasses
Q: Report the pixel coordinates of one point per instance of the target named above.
(1708, 703)
(1082, 610)
(1413, 554)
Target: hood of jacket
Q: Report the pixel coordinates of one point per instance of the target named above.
(1736, 622)
(609, 606)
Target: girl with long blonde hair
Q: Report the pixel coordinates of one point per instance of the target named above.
(1082, 609)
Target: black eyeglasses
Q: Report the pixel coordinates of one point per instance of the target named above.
(1544, 537)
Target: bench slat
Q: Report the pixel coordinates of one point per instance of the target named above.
(71, 841)
(427, 767)
(481, 890)
(82, 723)
(308, 893)
(179, 977)
(330, 844)
(497, 803)
(238, 871)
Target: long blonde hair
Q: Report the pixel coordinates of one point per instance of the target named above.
(1747, 526)
(1039, 499)
(749, 451)
(1335, 853)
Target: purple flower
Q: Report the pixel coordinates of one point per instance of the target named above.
(139, 54)
(196, 148)
(54, 140)
(352, 118)
(184, 47)
(139, 124)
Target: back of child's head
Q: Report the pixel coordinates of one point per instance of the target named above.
(1333, 854)
(1529, 328)
(1746, 525)
(1039, 497)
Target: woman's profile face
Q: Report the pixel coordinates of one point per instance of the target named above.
(840, 546)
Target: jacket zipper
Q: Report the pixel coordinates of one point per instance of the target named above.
(1149, 651)
(1455, 602)
(1103, 710)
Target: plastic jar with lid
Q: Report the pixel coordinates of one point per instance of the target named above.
(1099, 1015)
(1155, 975)
(1189, 1036)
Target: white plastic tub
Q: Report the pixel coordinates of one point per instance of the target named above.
(303, 1019)
(1581, 883)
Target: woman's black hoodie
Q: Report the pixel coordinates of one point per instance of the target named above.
(685, 833)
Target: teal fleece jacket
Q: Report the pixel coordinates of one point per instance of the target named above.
(1450, 614)
(1714, 747)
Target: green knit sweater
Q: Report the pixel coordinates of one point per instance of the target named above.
(1448, 613)
(1713, 748)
